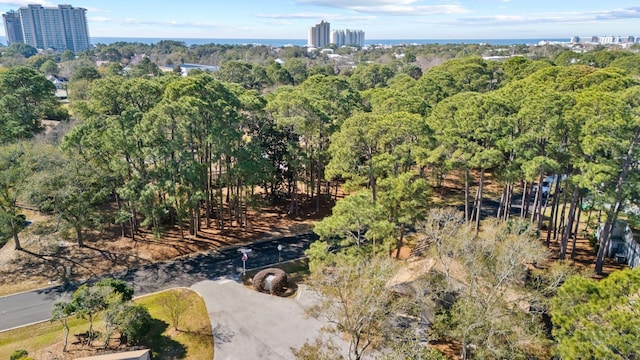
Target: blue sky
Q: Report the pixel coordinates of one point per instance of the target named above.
(379, 19)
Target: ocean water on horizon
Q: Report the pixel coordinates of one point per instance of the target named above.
(303, 42)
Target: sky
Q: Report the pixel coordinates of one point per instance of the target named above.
(379, 19)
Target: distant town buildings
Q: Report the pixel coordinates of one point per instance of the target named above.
(347, 37)
(319, 34)
(606, 40)
(58, 28)
(186, 68)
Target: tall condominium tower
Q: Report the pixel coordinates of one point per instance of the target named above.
(12, 27)
(58, 28)
(347, 37)
(319, 34)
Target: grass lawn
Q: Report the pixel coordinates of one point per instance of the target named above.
(37, 337)
(193, 340)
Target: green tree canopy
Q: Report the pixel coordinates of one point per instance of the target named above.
(26, 97)
(367, 76)
(598, 319)
(356, 219)
(49, 67)
(67, 55)
(630, 64)
(18, 48)
(86, 73)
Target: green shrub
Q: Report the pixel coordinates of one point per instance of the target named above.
(66, 233)
(19, 354)
(43, 228)
(118, 286)
(131, 320)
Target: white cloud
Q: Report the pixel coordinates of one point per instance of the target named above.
(168, 23)
(346, 4)
(628, 13)
(561, 17)
(411, 10)
(316, 16)
(279, 23)
(296, 16)
(389, 7)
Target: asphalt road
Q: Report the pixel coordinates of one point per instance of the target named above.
(34, 306)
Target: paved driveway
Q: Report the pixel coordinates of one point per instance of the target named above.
(250, 325)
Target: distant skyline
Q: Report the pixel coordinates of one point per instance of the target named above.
(379, 19)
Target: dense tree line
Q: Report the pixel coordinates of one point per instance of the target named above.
(577, 123)
(520, 122)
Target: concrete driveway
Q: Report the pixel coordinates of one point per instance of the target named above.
(250, 325)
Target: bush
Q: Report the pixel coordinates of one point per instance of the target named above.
(43, 228)
(278, 284)
(118, 286)
(132, 321)
(19, 354)
(66, 233)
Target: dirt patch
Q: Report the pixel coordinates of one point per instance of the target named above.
(450, 190)
(74, 350)
(584, 256)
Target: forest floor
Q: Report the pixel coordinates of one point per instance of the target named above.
(585, 256)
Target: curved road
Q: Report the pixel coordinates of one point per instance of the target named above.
(34, 306)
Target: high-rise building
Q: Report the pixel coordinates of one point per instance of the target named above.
(12, 27)
(58, 28)
(75, 27)
(319, 34)
(347, 37)
(337, 37)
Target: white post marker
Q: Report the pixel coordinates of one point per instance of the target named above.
(244, 261)
(244, 252)
(279, 249)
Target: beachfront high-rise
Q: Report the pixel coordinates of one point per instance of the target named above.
(58, 28)
(319, 34)
(12, 27)
(347, 37)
